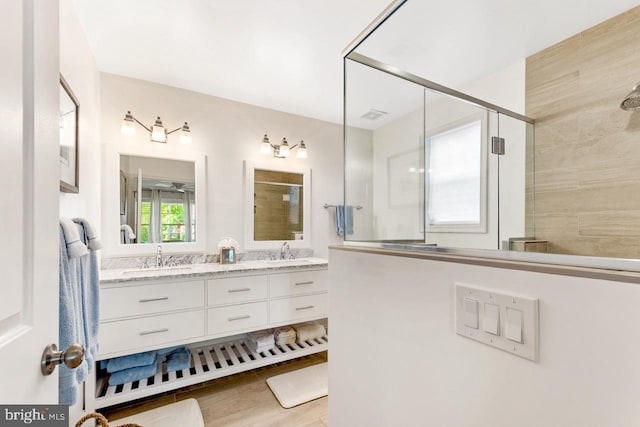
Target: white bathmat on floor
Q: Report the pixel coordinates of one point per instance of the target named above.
(301, 386)
(185, 413)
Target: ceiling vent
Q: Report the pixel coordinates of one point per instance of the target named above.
(373, 114)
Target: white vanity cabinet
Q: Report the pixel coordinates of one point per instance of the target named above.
(209, 313)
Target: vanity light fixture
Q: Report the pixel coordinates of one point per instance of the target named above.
(157, 131)
(283, 150)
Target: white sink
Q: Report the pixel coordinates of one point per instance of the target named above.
(299, 261)
(158, 269)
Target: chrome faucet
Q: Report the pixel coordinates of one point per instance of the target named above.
(159, 262)
(285, 252)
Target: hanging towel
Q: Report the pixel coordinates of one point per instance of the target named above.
(178, 359)
(131, 361)
(75, 247)
(70, 329)
(344, 220)
(89, 285)
(126, 234)
(91, 238)
(133, 374)
(309, 331)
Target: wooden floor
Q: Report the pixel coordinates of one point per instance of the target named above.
(240, 400)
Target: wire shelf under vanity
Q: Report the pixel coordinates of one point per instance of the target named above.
(208, 362)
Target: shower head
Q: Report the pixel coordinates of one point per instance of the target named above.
(632, 101)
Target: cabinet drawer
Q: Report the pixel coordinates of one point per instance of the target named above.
(297, 308)
(232, 290)
(302, 282)
(150, 299)
(131, 334)
(236, 317)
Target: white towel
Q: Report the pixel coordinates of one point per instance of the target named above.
(75, 247)
(285, 335)
(261, 340)
(128, 230)
(309, 331)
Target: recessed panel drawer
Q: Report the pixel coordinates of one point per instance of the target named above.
(236, 317)
(298, 308)
(149, 299)
(300, 282)
(132, 334)
(233, 290)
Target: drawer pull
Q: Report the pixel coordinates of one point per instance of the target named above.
(154, 299)
(231, 291)
(307, 307)
(304, 283)
(156, 331)
(231, 319)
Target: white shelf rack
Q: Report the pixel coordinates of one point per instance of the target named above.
(208, 362)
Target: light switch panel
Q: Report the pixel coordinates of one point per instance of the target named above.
(491, 319)
(513, 328)
(470, 308)
(505, 321)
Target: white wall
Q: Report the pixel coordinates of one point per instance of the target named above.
(397, 361)
(79, 69)
(228, 133)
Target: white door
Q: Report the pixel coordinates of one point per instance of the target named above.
(29, 204)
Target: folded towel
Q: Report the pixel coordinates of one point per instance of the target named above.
(75, 247)
(133, 374)
(93, 243)
(164, 351)
(285, 335)
(261, 338)
(178, 360)
(131, 361)
(309, 331)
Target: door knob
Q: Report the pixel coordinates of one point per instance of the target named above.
(72, 357)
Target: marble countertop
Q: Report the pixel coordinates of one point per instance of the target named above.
(199, 270)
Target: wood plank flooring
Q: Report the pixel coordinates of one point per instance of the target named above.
(241, 400)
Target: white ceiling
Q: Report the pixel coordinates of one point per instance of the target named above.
(286, 54)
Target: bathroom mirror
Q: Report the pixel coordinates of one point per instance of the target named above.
(157, 200)
(154, 196)
(276, 206)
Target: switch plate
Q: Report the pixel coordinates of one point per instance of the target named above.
(514, 318)
(470, 307)
(491, 319)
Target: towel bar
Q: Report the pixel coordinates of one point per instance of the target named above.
(326, 206)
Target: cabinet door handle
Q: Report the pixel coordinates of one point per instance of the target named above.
(307, 307)
(231, 319)
(154, 299)
(155, 331)
(304, 283)
(231, 291)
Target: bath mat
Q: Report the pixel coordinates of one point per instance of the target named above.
(185, 413)
(301, 386)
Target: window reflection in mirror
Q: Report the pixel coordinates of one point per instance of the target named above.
(278, 205)
(157, 200)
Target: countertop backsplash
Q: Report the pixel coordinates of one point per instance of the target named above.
(205, 258)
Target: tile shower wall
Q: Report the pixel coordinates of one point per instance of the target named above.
(586, 148)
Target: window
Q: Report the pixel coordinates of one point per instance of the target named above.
(456, 184)
(165, 215)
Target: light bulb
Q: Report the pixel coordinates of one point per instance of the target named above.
(158, 132)
(265, 146)
(128, 125)
(302, 151)
(284, 148)
(185, 134)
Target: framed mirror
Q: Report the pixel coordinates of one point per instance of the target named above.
(69, 117)
(277, 206)
(154, 196)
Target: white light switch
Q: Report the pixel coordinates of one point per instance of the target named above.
(491, 319)
(513, 328)
(470, 309)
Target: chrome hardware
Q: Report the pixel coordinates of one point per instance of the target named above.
(156, 331)
(231, 291)
(304, 308)
(497, 145)
(154, 299)
(231, 319)
(72, 357)
(304, 283)
(159, 262)
(285, 252)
